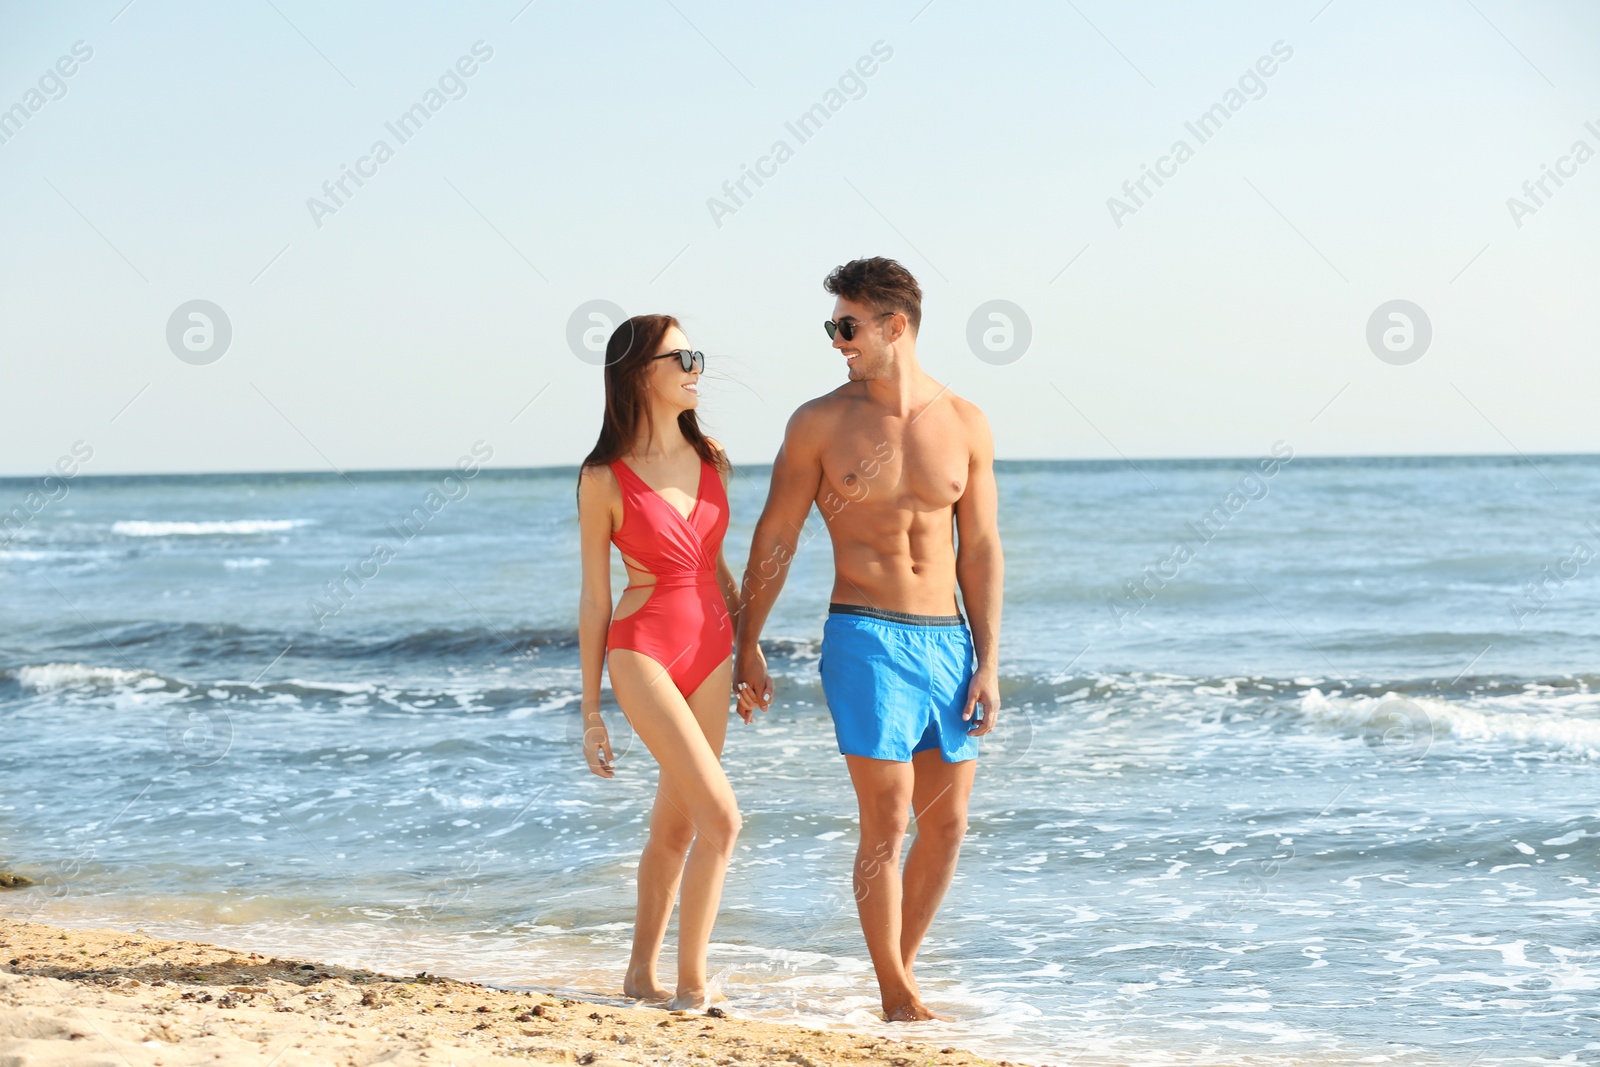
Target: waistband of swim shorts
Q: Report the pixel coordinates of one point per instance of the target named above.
(884, 615)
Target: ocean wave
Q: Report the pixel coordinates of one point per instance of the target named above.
(226, 647)
(234, 527)
(522, 672)
(49, 676)
(1414, 723)
(160, 642)
(73, 558)
(1062, 687)
(250, 563)
(518, 701)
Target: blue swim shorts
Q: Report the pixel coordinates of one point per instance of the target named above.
(897, 683)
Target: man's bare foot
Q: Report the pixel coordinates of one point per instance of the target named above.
(642, 985)
(911, 1010)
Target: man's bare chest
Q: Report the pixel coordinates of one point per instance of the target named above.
(914, 468)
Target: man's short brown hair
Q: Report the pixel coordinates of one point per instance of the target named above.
(880, 283)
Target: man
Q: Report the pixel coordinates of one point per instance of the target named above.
(891, 459)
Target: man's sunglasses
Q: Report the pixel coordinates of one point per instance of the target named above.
(847, 328)
(689, 361)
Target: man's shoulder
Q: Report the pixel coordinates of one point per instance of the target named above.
(970, 414)
(821, 411)
(836, 399)
(971, 427)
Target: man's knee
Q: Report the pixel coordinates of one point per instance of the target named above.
(942, 824)
(884, 816)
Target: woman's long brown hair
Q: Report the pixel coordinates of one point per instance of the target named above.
(628, 355)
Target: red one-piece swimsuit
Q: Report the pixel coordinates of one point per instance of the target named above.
(684, 625)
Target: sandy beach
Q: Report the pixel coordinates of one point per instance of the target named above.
(104, 997)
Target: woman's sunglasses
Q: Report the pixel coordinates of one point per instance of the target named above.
(847, 328)
(689, 361)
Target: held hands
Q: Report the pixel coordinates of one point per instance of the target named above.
(597, 745)
(984, 689)
(751, 683)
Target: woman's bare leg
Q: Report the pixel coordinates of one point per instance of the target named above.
(686, 741)
(710, 705)
(660, 868)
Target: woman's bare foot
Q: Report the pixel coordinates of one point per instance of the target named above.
(696, 1000)
(642, 985)
(911, 1010)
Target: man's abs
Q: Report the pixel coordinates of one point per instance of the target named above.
(889, 558)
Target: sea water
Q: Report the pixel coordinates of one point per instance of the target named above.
(1287, 767)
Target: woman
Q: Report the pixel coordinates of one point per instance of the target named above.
(656, 487)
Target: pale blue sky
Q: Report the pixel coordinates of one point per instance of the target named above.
(1229, 311)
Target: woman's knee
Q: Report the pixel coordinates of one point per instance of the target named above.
(720, 827)
(673, 835)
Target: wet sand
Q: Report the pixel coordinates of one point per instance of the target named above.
(105, 997)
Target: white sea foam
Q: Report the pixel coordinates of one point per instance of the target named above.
(246, 564)
(49, 676)
(1439, 719)
(555, 704)
(145, 528)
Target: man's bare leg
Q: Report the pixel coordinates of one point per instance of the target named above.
(939, 800)
(884, 790)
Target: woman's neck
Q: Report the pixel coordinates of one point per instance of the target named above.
(661, 437)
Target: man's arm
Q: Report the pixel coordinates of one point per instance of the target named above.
(796, 477)
(725, 579)
(980, 570)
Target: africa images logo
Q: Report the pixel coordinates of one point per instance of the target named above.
(451, 85)
(802, 129)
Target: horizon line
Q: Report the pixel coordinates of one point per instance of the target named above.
(999, 463)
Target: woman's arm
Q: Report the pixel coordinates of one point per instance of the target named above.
(596, 489)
